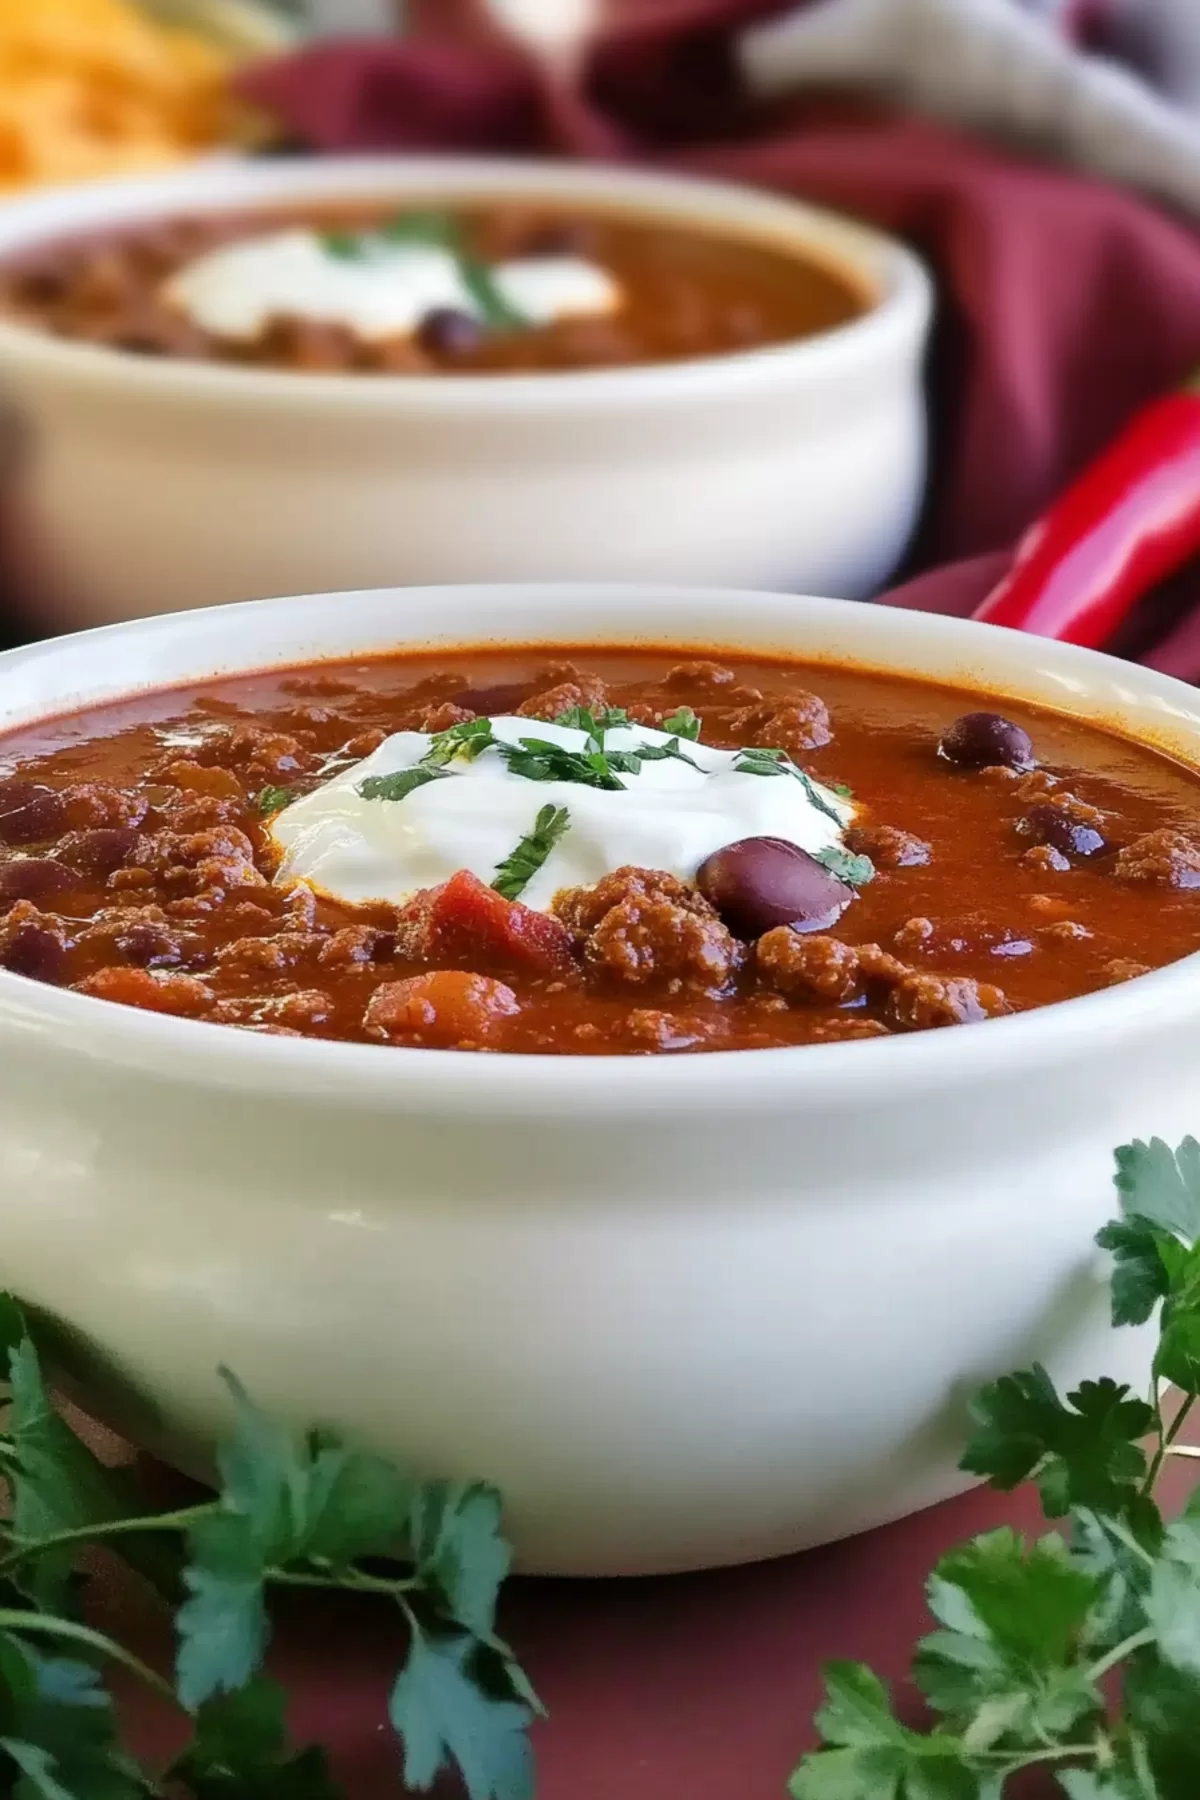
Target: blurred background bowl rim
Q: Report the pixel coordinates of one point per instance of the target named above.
(903, 287)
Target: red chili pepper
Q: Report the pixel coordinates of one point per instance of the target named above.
(1131, 519)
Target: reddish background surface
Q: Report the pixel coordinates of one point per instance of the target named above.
(687, 1688)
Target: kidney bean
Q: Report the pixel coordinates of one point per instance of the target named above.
(762, 882)
(35, 950)
(446, 331)
(29, 877)
(983, 740)
(29, 812)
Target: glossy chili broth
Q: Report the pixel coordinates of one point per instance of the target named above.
(684, 293)
(138, 864)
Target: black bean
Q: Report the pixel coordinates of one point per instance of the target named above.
(28, 877)
(101, 851)
(983, 740)
(762, 882)
(1054, 825)
(29, 812)
(448, 332)
(493, 702)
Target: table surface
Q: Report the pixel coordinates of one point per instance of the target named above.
(698, 1687)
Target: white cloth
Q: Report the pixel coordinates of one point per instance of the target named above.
(1008, 69)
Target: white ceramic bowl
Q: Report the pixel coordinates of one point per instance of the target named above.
(684, 1310)
(158, 483)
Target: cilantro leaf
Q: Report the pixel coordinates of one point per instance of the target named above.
(1083, 1454)
(59, 1730)
(683, 723)
(1160, 1204)
(856, 871)
(537, 759)
(1161, 1705)
(357, 1505)
(758, 761)
(459, 1552)
(1103, 1550)
(400, 784)
(462, 742)
(58, 1484)
(444, 1710)
(1161, 1185)
(1003, 1668)
(582, 718)
(1172, 1603)
(281, 1502)
(240, 1752)
(273, 799)
(222, 1627)
(867, 1754)
(520, 866)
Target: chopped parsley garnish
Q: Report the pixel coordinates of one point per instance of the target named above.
(537, 759)
(400, 784)
(683, 723)
(515, 873)
(777, 762)
(856, 870)
(273, 799)
(598, 758)
(578, 718)
(432, 231)
(459, 743)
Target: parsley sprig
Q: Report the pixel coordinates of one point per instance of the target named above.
(517, 870)
(307, 1513)
(596, 765)
(778, 762)
(1014, 1675)
(435, 231)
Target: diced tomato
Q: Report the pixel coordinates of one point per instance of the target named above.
(467, 923)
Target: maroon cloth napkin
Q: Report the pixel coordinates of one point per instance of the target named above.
(1063, 303)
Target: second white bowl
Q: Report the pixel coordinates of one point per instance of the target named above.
(157, 484)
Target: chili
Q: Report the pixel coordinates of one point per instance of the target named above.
(1128, 521)
(996, 861)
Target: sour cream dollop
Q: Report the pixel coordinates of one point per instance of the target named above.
(669, 815)
(236, 291)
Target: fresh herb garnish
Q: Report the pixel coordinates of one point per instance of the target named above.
(856, 870)
(683, 723)
(537, 759)
(515, 873)
(430, 230)
(273, 799)
(1014, 1676)
(291, 1513)
(434, 231)
(777, 762)
(596, 765)
(497, 313)
(459, 743)
(400, 784)
(841, 789)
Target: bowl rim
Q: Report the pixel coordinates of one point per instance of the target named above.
(523, 1085)
(900, 280)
